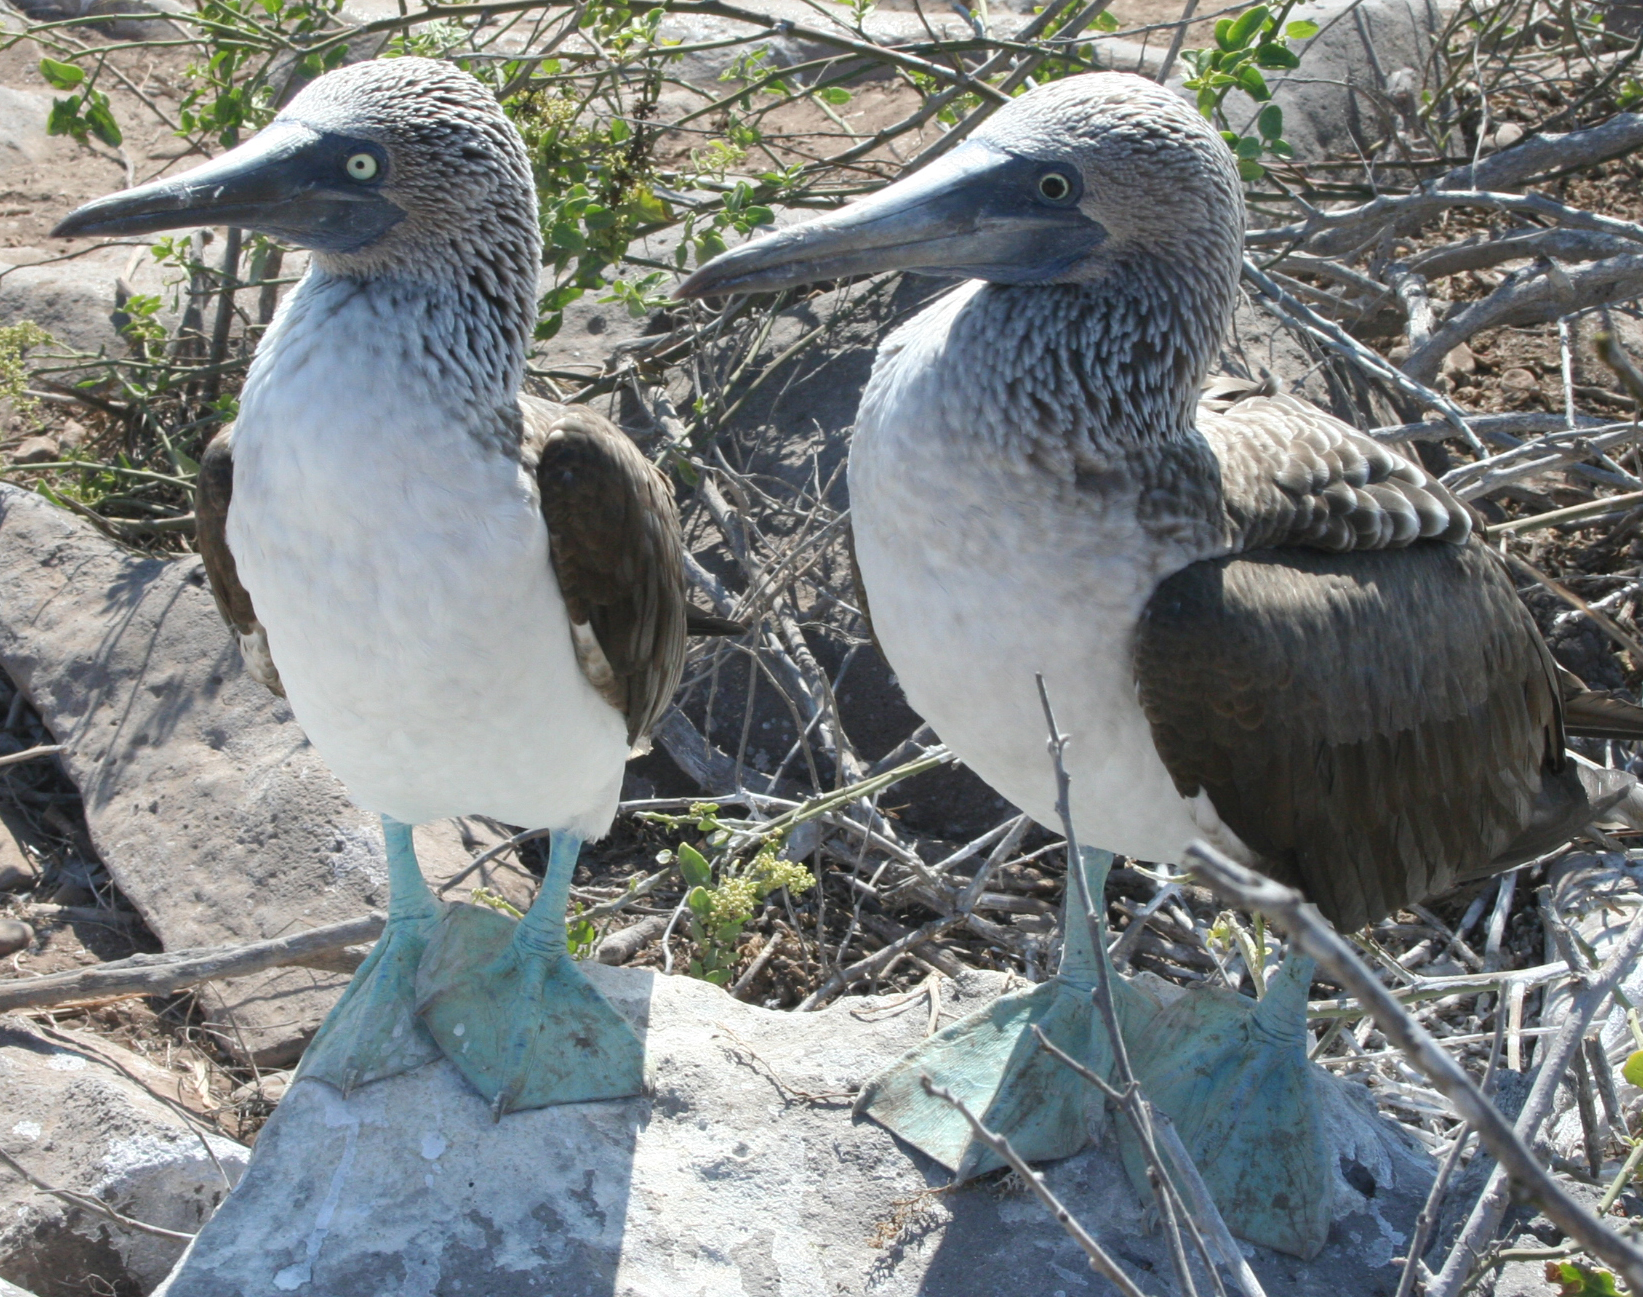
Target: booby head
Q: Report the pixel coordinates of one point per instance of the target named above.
(1060, 186)
(396, 167)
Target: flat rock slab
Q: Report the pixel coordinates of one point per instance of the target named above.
(743, 1173)
(208, 806)
(84, 1115)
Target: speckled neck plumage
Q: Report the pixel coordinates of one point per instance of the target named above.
(1076, 374)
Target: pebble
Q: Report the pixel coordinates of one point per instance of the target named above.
(15, 935)
(1460, 361)
(36, 450)
(1519, 380)
(18, 872)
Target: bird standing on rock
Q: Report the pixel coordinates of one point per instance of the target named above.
(1260, 627)
(473, 599)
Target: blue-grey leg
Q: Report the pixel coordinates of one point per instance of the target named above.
(372, 1031)
(510, 1007)
(1234, 1077)
(992, 1061)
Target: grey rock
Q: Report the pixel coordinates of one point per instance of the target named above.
(209, 808)
(15, 935)
(83, 1115)
(12, 1290)
(1364, 70)
(71, 300)
(23, 135)
(743, 1172)
(122, 19)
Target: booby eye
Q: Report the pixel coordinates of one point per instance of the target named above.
(361, 166)
(1054, 187)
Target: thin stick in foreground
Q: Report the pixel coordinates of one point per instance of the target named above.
(1306, 927)
(177, 970)
(1100, 1261)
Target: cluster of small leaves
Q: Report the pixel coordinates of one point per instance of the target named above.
(724, 890)
(1256, 39)
(16, 341)
(231, 93)
(85, 112)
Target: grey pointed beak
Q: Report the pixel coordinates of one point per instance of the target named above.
(289, 181)
(977, 213)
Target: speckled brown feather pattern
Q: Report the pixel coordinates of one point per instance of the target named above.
(1372, 725)
(1293, 475)
(617, 552)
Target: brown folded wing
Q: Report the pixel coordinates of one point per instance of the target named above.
(617, 553)
(213, 492)
(1372, 725)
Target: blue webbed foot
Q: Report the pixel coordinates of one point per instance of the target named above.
(513, 1011)
(1233, 1076)
(372, 1032)
(992, 1061)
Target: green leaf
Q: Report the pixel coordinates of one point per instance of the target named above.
(686, 471)
(1248, 170)
(1576, 1280)
(1249, 147)
(700, 902)
(1245, 29)
(1253, 83)
(1280, 149)
(1301, 29)
(1105, 22)
(1633, 1069)
(62, 76)
(693, 865)
(65, 118)
(1223, 34)
(834, 95)
(1276, 56)
(102, 123)
(1271, 122)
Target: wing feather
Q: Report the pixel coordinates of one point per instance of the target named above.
(1293, 475)
(213, 493)
(617, 553)
(1373, 726)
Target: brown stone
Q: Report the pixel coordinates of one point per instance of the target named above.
(36, 450)
(18, 871)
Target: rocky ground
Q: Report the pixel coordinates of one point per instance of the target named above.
(186, 811)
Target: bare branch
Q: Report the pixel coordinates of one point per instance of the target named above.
(175, 970)
(1100, 1261)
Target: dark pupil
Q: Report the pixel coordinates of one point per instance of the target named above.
(1053, 186)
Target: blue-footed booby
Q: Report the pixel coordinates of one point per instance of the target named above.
(1260, 627)
(473, 599)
